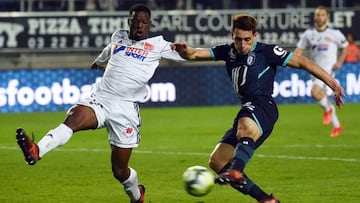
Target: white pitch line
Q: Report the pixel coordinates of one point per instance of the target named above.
(171, 153)
(256, 155)
(308, 158)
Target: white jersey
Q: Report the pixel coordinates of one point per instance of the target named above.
(324, 46)
(130, 65)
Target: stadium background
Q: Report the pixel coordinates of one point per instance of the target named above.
(46, 49)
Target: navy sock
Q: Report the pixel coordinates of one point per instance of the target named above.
(252, 189)
(257, 193)
(245, 189)
(225, 168)
(243, 152)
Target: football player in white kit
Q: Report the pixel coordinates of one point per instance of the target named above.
(129, 61)
(324, 43)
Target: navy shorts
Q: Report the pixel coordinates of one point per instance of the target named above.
(263, 110)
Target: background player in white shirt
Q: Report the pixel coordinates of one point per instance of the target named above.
(129, 61)
(324, 43)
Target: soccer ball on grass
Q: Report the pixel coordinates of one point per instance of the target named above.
(198, 180)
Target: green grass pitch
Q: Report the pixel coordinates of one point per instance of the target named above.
(299, 163)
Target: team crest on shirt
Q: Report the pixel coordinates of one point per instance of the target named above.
(328, 39)
(148, 46)
(250, 59)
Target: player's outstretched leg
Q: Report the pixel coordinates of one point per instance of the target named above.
(243, 153)
(234, 175)
(27, 146)
(243, 184)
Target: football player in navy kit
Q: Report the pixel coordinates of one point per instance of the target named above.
(251, 66)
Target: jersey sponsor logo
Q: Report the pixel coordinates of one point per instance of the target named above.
(279, 51)
(136, 53)
(118, 48)
(250, 59)
(322, 47)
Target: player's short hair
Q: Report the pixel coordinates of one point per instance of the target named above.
(139, 8)
(244, 22)
(321, 7)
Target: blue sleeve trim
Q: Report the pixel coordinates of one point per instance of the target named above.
(212, 55)
(287, 59)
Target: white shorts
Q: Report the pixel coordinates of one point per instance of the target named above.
(121, 119)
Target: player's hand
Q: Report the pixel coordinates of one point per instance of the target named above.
(337, 66)
(338, 96)
(94, 66)
(179, 46)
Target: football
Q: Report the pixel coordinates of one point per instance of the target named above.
(198, 181)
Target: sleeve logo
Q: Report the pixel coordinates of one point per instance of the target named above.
(279, 51)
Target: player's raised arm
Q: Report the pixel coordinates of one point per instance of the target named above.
(310, 66)
(191, 53)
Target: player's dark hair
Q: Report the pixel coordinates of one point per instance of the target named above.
(244, 22)
(140, 8)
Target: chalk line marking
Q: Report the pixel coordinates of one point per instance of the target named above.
(173, 153)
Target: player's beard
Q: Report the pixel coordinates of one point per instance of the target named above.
(321, 24)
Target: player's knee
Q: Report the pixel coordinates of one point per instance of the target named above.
(317, 92)
(120, 174)
(215, 164)
(253, 135)
(212, 165)
(81, 118)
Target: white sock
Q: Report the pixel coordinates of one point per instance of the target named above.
(54, 138)
(324, 103)
(334, 118)
(131, 185)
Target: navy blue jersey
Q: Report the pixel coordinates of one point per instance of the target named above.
(252, 74)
